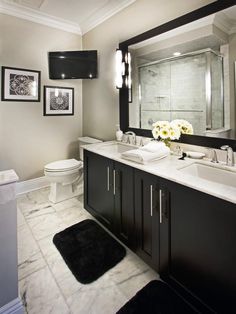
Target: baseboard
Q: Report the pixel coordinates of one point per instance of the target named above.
(31, 185)
(13, 307)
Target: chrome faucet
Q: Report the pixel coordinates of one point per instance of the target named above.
(230, 155)
(214, 157)
(133, 137)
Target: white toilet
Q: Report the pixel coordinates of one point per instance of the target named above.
(65, 175)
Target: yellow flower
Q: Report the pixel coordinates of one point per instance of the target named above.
(164, 132)
(167, 131)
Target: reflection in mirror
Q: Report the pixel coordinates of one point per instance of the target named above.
(187, 73)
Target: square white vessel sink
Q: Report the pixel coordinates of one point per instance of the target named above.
(211, 173)
(116, 147)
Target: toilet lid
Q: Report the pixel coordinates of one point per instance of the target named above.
(63, 165)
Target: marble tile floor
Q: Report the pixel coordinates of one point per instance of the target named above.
(46, 285)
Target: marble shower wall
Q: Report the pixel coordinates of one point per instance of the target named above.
(176, 90)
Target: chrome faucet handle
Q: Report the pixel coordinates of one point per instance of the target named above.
(124, 138)
(128, 139)
(133, 137)
(230, 155)
(214, 157)
(141, 142)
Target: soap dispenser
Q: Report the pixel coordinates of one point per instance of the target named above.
(119, 133)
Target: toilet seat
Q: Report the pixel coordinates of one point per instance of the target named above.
(66, 173)
(63, 165)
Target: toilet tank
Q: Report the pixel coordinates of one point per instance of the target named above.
(85, 140)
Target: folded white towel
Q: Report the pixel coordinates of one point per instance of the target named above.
(153, 146)
(141, 156)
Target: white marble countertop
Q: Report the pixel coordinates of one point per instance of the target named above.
(167, 168)
(8, 176)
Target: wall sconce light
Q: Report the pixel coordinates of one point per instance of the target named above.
(123, 69)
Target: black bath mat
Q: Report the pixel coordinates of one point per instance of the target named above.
(88, 250)
(156, 298)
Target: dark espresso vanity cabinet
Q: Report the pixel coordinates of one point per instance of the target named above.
(150, 208)
(109, 194)
(187, 236)
(98, 193)
(147, 218)
(124, 203)
(200, 236)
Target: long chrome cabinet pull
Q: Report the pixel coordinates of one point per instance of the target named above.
(114, 182)
(160, 204)
(151, 200)
(108, 179)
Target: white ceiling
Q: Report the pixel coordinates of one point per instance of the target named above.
(77, 16)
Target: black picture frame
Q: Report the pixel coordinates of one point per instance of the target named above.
(20, 84)
(58, 101)
(124, 92)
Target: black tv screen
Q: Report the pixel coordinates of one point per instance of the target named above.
(73, 64)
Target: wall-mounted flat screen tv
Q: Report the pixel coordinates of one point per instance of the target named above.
(73, 64)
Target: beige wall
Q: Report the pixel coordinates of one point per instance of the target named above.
(28, 140)
(100, 97)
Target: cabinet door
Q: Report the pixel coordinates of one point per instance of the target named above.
(98, 189)
(124, 202)
(147, 219)
(201, 256)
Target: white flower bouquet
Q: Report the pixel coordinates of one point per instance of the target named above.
(168, 131)
(184, 126)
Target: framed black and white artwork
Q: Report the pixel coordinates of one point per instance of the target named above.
(58, 101)
(20, 84)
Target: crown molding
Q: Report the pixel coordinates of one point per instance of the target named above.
(102, 15)
(36, 16)
(39, 17)
(224, 23)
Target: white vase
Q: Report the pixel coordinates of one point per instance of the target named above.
(119, 133)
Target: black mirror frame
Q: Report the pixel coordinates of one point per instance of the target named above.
(123, 92)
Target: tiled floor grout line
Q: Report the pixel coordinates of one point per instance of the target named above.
(64, 297)
(37, 246)
(120, 284)
(33, 272)
(65, 264)
(45, 260)
(62, 294)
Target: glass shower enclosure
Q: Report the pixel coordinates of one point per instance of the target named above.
(187, 87)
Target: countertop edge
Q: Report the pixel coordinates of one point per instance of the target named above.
(160, 168)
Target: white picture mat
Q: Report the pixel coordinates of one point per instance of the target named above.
(7, 84)
(65, 90)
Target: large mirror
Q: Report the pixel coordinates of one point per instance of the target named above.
(186, 73)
